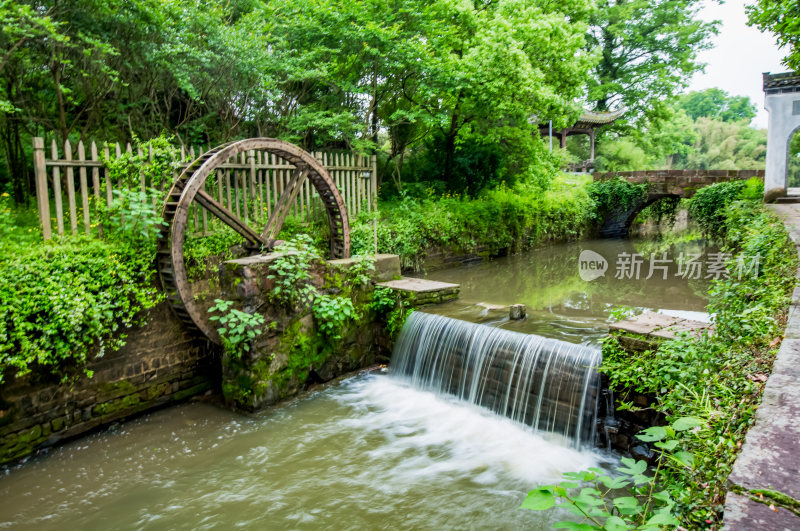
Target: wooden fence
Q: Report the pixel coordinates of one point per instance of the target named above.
(248, 185)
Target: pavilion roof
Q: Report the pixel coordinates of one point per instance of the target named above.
(599, 117)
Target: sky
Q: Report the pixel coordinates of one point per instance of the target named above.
(739, 56)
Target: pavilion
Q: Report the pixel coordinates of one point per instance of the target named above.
(587, 124)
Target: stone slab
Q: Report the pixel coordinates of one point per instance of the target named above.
(419, 285)
(387, 266)
(769, 457)
(682, 326)
(744, 514)
(659, 326)
(645, 324)
(257, 259)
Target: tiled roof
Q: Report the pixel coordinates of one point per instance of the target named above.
(600, 117)
(785, 82)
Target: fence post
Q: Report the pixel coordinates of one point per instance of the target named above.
(373, 200)
(42, 196)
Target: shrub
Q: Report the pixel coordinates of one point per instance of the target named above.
(62, 303)
(718, 378)
(707, 206)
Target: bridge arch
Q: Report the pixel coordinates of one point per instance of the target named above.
(618, 224)
(662, 184)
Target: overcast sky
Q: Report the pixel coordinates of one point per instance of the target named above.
(739, 56)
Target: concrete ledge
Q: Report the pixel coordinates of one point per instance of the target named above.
(656, 326)
(387, 266)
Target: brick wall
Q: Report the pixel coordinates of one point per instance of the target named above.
(160, 364)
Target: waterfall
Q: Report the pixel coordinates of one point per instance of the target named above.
(547, 384)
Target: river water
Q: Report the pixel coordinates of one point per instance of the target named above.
(366, 453)
(561, 305)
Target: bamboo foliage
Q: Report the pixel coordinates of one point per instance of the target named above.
(249, 185)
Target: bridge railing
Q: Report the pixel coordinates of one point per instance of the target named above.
(71, 184)
(701, 176)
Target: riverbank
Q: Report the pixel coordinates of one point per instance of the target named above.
(765, 480)
(716, 380)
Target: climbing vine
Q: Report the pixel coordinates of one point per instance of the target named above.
(237, 329)
(615, 193)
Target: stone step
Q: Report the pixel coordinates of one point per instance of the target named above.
(421, 292)
(640, 332)
(789, 199)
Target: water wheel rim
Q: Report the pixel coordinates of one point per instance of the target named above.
(171, 260)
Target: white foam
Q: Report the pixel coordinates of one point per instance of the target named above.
(428, 435)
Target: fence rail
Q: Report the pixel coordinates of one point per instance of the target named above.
(249, 185)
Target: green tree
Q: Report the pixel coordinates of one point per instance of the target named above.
(782, 19)
(716, 103)
(727, 146)
(647, 51)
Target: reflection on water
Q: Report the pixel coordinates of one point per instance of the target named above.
(562, 305)
(369, 453)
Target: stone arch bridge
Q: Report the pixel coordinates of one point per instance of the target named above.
(663, 184)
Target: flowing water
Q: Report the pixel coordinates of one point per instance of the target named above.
(547, 384)
(372, 452)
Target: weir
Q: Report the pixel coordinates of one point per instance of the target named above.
(550, 385)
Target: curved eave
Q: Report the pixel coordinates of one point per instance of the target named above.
(595, 118)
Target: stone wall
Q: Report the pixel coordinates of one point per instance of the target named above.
(617, 428)
(293, 350)
(160, 364)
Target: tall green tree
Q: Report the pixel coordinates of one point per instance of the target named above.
(782, 19)
(647, 51)
(716, 103)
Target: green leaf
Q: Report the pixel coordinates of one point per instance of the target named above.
(626, 502)
(661, 519)
(573, 525)
(687, 423)
(632, 467)
(684, 458)
(667, 445)
(615, 523)
(613, 483)
(655, 433)
(539, 500)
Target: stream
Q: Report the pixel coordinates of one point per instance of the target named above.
(368, 452)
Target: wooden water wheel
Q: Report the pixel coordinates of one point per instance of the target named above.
(189, 189)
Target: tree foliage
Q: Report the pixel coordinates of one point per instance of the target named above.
(428, 74)
(647, 51)
(716, 103)
(781, 18)
(719, 138)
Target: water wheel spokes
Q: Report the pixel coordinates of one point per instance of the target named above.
(189, 189)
